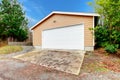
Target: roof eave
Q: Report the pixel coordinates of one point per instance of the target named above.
(76, 13)
(41, 21)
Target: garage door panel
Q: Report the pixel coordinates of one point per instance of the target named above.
(71, 37)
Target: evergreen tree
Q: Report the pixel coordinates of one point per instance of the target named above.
(13, 22)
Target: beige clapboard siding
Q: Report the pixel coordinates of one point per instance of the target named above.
(58, 20)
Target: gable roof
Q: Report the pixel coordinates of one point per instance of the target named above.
(65, 13)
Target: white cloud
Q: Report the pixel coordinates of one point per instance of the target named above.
(31, 21)
(40, 9)
(23, 1)
(26, 9)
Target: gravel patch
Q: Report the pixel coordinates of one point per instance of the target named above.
(101, 76)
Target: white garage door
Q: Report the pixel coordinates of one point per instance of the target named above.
(71, 37)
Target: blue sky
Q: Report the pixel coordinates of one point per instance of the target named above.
(38, 9)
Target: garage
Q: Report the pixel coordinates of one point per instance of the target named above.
(68, 37)
(65, 30)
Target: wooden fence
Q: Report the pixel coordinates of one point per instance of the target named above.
(20, 43)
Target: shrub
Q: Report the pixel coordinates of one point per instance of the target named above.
(101, 36)
(107, 38)
(104, 44)
(111, 48)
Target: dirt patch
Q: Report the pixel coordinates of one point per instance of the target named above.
(3, 43)
(110, 61)
(92, 63)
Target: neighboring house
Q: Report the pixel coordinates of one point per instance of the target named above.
(65, 30)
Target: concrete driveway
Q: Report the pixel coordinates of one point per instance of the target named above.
(63, 60)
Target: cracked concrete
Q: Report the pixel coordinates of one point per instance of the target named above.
(67, 61)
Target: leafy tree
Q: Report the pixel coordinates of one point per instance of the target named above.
(110, 15)
(12, 20)
(110, 11)
(109, 32)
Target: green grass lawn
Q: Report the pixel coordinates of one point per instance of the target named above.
(10, 49)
